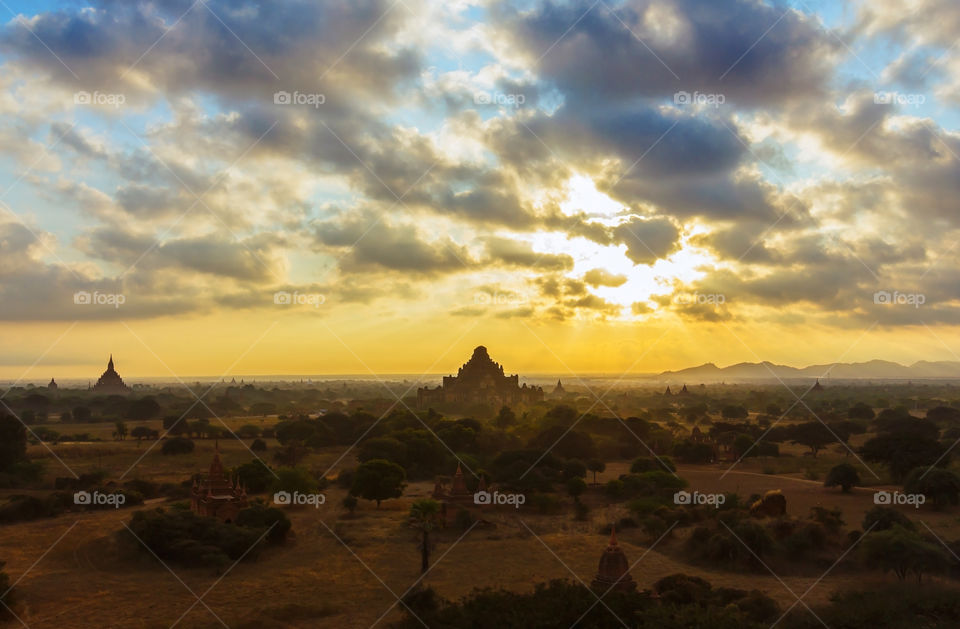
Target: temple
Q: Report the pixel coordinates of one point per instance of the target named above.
(110, 381)
(480, 381)
(216, 496)
(457, 497)
(53, 385)
(558, 392)
(614, 570)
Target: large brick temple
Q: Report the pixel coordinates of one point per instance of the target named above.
(479, 381)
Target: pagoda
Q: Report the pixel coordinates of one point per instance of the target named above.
(216, 496)
(614, 570)
(53, 385)
(558, 391)
(110, 381)
(480, 381)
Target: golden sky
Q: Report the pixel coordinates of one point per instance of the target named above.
(655, 185)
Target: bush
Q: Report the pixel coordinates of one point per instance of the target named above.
(261, 516)
(350, 503)
(255, 476)
(294, 479)
(844, 475)
(184, 537)
(177, 445)
(651, 464)
(345, 479)
(258, 445)
(942, 487)
(882, 518)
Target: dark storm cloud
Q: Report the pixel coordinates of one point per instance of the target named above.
(754, 53)
(648, 240)
(214, 46)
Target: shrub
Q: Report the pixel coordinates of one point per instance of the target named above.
(258, 445)
(651, 464)
(942, 487)
(844, 475)
(882, 518)
(177, 445)
(255, 476)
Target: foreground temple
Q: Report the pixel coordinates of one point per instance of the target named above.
(614, 570)
(110, 381)
(480, 381)
(216, 496)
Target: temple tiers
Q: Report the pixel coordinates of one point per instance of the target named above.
(614, 569)
(216, 496)
(110, 381)
(480, 381)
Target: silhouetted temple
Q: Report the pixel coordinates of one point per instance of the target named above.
(480, 381)
(216, 496)
(53, 385)
(110, 381)
(558, 392)
(614, 569)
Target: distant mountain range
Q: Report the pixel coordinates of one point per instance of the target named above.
(874, 369)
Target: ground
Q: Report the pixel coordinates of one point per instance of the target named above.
(348, 571)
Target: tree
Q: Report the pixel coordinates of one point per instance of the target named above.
(255, 476)
(576, 486)
(596, 465)
(177, 445)
(860, 411)
(141, 432)
(144, 408)
(905, 446)
(731, 411)
(294, 479)
(506, 417)
(424, 517)
(941, 486)
(120, 430)
(248, 431)
(13, 442)
(881, 518)
(902, 551)
(378, 480)
(815, 435)
(81, 414)
(258, 445)
(844, 475)
(350, 503)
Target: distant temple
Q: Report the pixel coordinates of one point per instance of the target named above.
(614, 570)
(216, 496)
(558, 392)
(817, 386)
(457, 495)
(110, 381)
(479, 381)
(53, 385)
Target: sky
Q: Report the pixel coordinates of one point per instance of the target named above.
(223, 187)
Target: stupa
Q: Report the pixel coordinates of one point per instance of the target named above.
(614, 570)
(218, 497)
(110, 381)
